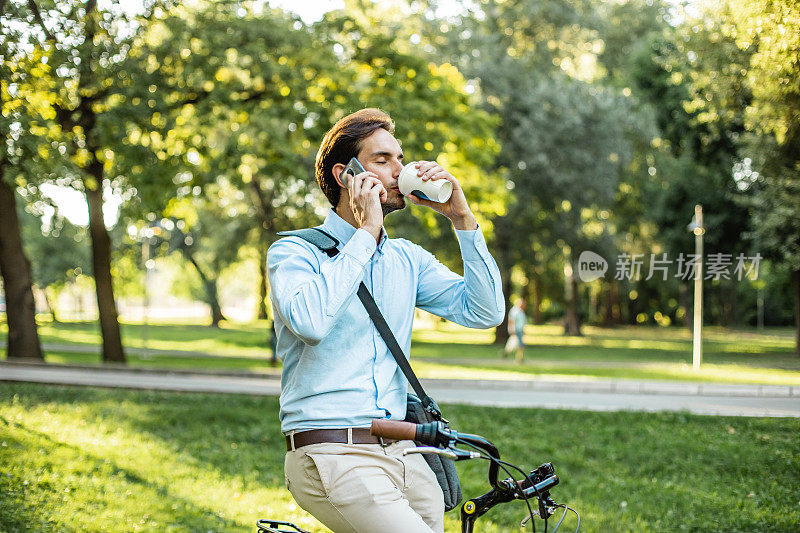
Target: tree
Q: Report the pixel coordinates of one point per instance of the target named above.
(768, 30)
(211, 230)
(23, 339)
(20, 110)
(239, 96)
(94, 95)
(80, 46)
(562, 137)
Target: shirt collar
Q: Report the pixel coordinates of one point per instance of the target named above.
(343, 231)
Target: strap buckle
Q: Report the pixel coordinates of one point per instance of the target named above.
(430, 405)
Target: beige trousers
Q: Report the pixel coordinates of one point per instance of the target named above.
(366, 488)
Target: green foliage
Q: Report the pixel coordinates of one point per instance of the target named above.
(57, 242)
(211, 227)
(436, 117)
(697, 144)
(31, 149)
(240, 96)
(764, 29)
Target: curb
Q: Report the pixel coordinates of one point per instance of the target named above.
(630, 387)
(617, 386)
(118, 367)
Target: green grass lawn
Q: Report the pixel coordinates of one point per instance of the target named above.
(84, 459)
(232, 339)
(448, 350)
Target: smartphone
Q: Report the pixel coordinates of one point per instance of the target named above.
(353, 168)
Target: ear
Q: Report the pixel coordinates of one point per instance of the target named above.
(337, 172)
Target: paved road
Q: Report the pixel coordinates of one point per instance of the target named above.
(596, 395)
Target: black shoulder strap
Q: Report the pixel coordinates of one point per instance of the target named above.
(319, 238)
(328, 244)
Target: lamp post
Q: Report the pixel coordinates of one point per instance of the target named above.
(148, 266)
(696, 227)
(145, 236)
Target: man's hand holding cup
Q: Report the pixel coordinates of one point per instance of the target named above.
(423, 178)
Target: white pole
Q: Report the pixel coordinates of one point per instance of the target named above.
(697, 341)
(146, 310)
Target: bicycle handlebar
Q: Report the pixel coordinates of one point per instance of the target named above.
(439, 435)
(393, 429)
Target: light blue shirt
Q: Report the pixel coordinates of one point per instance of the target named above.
(337, 371)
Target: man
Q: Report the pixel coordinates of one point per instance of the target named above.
(338, 374)
(516, 328)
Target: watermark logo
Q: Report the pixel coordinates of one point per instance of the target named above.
(591, 266)
(633, 267)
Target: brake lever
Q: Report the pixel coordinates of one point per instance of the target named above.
(527, 518)
(548, 507)
(444, 452)
(464, 455)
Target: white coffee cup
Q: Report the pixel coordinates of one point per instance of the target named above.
(434, 190)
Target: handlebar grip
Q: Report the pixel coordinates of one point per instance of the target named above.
(393, 429)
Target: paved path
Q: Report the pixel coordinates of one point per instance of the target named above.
(595, 395)
(153, 352)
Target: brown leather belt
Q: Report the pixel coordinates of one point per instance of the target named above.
(317, 436)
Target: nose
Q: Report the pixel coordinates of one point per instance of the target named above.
(398, 166)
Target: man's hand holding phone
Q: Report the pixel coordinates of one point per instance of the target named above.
(367, 193)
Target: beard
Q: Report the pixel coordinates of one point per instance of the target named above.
(394, 202)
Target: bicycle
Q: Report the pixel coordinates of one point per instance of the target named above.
(439, 439)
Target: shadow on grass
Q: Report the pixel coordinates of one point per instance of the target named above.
(32, 508)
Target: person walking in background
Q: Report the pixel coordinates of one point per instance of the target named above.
(516, 328)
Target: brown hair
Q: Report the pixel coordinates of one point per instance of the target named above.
(343, 142)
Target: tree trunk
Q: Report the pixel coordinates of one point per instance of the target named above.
(607, 319)
(262, 286)
(501, 332)
(216, 310)
(732, 307)
(101, 264)
(210, 288)
(595, 299)
(796, 276)
(266, 216)
(572, 324)
(504, 264)
(616, 307)
(23, 337)
(537, 300)
(50, 306)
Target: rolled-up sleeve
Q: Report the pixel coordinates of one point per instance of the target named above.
(309, 290)
(474, 300)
